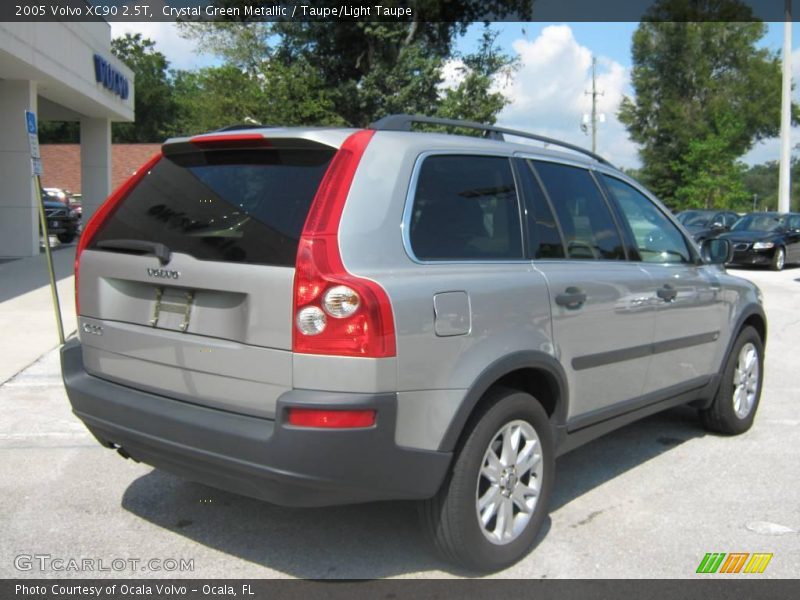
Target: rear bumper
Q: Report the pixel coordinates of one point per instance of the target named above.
(257, 457)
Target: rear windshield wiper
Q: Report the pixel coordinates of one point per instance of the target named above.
(160, 251)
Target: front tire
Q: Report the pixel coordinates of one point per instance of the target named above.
(734, 407)
(778, 259)
(490, 508)
(66, 238)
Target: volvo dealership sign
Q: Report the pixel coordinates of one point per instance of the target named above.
(113, 80)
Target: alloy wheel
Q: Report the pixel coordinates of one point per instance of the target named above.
(509, 482)
(745, 381)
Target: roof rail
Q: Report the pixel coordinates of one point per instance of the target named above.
(404, 123)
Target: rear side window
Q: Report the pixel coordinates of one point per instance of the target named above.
(245, 206)
(587, 225)
(466, 208)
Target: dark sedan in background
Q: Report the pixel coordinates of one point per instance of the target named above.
(703, 224)
(767, 239)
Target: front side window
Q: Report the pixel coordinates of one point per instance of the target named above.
(465, 208)
(657, 238)
(586, 222)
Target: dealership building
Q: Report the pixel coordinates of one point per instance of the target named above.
(61, 72)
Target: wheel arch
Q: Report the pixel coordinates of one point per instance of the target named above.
(757, 321)
(533, 372)
(752, 316)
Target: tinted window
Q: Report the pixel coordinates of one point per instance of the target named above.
(792, 222)
(544, 240)
(657, 239)
(757, 222)
(586, 222)
(236, 205)
(465, 208)
(693, 218)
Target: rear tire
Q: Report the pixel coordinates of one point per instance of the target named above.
(503, 474)
(734, 407)
(66, 238)
(778, 259)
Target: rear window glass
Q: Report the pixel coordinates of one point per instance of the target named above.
(245, 206)
(466, 208)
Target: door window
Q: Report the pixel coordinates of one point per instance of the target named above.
(544, 239)
(657, 239)
(586, 221)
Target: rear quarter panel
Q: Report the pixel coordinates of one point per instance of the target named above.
(508, 301)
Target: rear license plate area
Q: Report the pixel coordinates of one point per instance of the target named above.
(172, 308)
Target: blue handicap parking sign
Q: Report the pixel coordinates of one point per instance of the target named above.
(30, 118)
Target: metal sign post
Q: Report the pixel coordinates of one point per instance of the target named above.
(36, 167)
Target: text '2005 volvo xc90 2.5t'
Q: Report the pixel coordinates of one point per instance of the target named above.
(324, 316)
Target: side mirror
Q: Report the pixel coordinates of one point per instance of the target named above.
(716, 251)
(718, 226)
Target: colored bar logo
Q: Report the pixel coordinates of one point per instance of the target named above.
(734, 562)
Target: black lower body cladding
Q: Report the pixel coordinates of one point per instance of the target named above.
(261, 458)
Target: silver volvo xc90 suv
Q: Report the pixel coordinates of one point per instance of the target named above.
(323, 316)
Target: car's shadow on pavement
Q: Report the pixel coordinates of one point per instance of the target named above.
(373, 540)
(602, 460)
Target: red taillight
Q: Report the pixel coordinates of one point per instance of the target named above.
(331, 419)
(104, 211)
(369, 330)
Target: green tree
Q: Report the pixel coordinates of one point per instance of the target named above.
(712, 177)
(475, 98)
(371, 68)
(762, 180)
(59, 132)
(688, 77)
(271, 94)
(154, 102)
(214, 97)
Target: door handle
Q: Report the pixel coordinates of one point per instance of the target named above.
(667, 293)
(572, 298)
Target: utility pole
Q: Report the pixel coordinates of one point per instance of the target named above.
(594, 116)
(784, 191)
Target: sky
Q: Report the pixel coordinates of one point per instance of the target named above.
(547, 93)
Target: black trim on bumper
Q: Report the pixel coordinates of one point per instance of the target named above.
(257, 457)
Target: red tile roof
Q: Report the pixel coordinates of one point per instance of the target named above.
(62, 163)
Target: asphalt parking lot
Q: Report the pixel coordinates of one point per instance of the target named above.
(647, 501)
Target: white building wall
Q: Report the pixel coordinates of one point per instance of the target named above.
(60, 57)
(95, 164)
(19, 233)
(55, 62)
